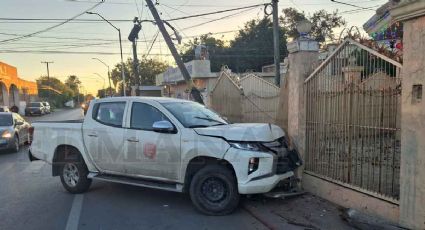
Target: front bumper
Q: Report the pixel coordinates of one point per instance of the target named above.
(6, 143)
(34, 112)
(263, 185)
(276, 164)
(262, 180)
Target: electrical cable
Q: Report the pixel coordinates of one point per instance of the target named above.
(126, 20)
(153, 42)
(51, 27)
(349, 4)
(217, 19)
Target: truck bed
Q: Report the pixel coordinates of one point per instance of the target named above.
(48, 135)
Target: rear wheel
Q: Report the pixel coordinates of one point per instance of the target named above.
(73, 174)
(214, 191)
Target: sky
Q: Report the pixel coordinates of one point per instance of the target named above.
(79, 42)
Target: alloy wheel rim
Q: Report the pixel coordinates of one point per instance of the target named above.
(70, 174)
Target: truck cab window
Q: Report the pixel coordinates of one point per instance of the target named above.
(143, 116)
(110, 113)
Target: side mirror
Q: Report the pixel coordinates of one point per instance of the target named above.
(163, 127)
(19, 123)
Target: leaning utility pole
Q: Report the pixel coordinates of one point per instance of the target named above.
(276, 41)
(48, 78)
(193, 90)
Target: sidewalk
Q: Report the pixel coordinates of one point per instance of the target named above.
(303, 212)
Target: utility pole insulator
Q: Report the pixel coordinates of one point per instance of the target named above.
(134, 34)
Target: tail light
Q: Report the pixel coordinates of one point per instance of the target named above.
(31, 133)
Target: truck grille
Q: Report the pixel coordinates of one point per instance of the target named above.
(287, 160)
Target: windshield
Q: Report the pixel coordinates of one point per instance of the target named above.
(194, 115)
(6, 120)
(34, 104)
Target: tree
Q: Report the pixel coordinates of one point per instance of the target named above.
(73, 83)
(253, 46)
(53, 90)
(323, 23)
(101, 93)
(148, 69)
(89, 97)
(251, 49)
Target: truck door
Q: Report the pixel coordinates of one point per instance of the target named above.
(151, 153)
(103, 135)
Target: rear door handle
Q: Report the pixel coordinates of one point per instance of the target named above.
(92, 135)
(132, 139)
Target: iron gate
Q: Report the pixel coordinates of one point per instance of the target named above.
(353, 120)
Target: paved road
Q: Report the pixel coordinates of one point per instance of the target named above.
(30, 198)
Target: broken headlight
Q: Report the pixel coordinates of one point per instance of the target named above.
(250, 146)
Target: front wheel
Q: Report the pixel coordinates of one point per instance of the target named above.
(15, 147)
(73, 174)
(214, 191)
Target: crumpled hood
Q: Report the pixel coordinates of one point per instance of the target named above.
(244, 132)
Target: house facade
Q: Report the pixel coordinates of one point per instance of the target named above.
(14, 90)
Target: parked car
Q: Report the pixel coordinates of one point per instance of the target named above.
(46, 107)
(35, 108)
(4, 109)
(168, 144)
(14, 131)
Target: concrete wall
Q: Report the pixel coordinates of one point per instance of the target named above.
(350, 198)
(412, 201)
(301, 64)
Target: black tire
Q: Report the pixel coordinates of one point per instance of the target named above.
(80, 185)
(214, 191)
(15, 147)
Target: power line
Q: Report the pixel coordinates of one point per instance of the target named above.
(115, 53)
(63, 38)
(216, 12)
(107, 41)
(51, 27)
(153, 42)
(349, 4)
(217, 19)
(127, 20)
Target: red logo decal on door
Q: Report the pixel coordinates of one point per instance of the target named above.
(149, 150)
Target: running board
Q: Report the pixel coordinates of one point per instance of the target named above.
(137, 182)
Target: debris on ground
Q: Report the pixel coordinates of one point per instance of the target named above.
(364, 221)
(302, 212)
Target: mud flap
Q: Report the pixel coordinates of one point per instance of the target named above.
(31, 157)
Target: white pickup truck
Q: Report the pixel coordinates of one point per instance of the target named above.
(168, 144)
